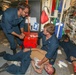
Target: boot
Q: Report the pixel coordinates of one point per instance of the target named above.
(3, 67)
(14, 52)
(2, 53)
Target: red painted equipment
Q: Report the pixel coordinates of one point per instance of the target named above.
(30, 40)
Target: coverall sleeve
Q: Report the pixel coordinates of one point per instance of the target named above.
(8, 25)
(40, 34)
(51, 51)
(22, 23)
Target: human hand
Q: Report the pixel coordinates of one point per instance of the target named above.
(21, 36)
(36, 60)
(38, 70)
(39, 63)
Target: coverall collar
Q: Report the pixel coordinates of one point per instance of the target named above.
(16, 16)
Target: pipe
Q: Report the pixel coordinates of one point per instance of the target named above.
(61, 18)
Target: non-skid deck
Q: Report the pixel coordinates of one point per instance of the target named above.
(4, 46)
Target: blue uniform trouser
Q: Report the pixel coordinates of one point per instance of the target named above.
(11, 39)
(25, 59)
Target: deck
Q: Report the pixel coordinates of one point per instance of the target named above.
(60, 70)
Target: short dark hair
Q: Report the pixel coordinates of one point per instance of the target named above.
(49, 28)
(23, 5)
(65, 36)
(53, 71)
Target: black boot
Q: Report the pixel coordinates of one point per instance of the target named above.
(3, 67)
(14, 52)
(2, 53)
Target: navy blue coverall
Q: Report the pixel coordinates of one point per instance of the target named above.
(49, 45)
(11, 22)
(23, 57)
(69, 49)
